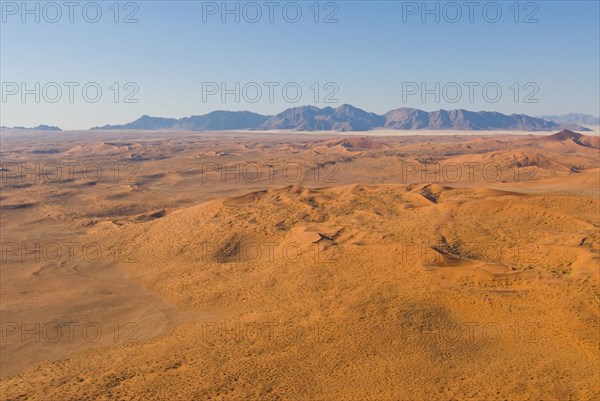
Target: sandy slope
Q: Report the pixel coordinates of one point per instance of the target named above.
(354, 290)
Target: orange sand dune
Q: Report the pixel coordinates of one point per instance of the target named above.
(347, 281)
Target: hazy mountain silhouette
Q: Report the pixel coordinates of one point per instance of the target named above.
(573, 118)
(347, 118)
(221, 120)
(406, 118)
(214, 121)
(145, 122)
(42, 127)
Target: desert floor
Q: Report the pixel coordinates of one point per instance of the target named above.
(285, 266)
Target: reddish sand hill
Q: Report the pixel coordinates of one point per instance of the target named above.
(566, 136)
(355, 143)
(247, 266)
(98, 149)
(360, 275)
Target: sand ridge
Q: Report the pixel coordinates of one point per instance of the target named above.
(370, 285)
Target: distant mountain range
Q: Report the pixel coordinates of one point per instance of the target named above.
(38, 128)
(573, 118)
(348, 118)
(405, 118)
(214, 121)
(311, 118)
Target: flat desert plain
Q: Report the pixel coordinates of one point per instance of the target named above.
(290, 266)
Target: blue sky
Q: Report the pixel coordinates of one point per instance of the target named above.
(377, 56)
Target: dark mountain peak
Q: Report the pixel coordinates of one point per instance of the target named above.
(348, 109)
(405, 109)
(226, 112)
(345, 108)
(310, 118)
(406, 118)
(44, 127)
(298, 109)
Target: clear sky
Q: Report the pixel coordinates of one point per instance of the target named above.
(377, 55)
